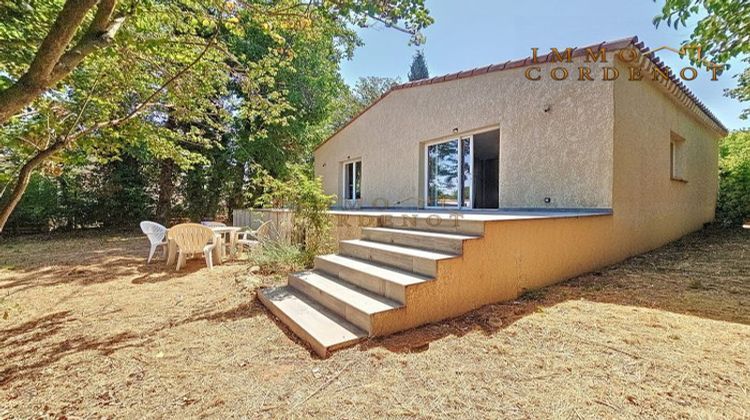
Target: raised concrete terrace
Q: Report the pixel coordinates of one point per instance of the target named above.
(389, 277)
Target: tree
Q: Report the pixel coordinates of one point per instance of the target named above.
(351, 102)
(734, 184)
(369, 89)
(722, 32)
(103, 98)
(114, 83)
(418, 70)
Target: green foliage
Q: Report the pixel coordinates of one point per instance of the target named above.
(418, 69)
(121, 193)
(116, 194)
(369, 89)
(303, 194)
(40, 208)
(23, 25)
(722, 31)
(278, 257)
(352, 101)
(734, 185)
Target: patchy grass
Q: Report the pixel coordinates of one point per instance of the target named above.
(94, 332)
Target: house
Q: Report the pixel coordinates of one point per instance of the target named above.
(467, 189)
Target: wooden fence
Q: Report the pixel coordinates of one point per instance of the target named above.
(281, 221)
(343, 226)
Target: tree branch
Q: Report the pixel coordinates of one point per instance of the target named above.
(52, 63)
(100, 32)
(147, 102)
(56, 42)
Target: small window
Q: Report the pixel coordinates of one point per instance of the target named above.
(353, 180)
(677, 158)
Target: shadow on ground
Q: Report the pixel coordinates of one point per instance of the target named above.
(34, 345)
(85, 261)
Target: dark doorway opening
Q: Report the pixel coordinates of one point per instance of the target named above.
(486, 170)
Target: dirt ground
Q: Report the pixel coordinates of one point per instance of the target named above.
(87, 329)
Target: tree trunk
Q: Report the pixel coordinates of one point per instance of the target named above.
(24, 176)
(235, 199)
(166, 191)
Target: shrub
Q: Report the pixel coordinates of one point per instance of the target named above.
(302, 193)
(734, 183)
(278, 257)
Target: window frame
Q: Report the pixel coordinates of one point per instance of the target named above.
(677, 157)
(356, 189)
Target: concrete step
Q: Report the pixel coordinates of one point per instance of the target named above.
(410, 259)
(377, 278)
(434, 241)
(436, 222)
(323, 330)
(350, 302)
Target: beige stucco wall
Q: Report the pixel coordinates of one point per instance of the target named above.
(650, 208)
(565, 153)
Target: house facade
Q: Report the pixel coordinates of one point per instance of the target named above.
(470, 188)
(491, 138)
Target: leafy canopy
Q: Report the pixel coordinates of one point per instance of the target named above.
(722, 31)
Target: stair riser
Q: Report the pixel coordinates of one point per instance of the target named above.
(434, 224)
(453, 246)
(424, 266)
(364, 280)
(351, 314)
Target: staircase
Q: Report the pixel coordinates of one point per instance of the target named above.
(363, 291)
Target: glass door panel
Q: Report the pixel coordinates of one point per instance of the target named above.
(442, 174)
(348, 181)
(358, 179)
(466, 169)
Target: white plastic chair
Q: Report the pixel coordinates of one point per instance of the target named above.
(192, 238)
(213, 224)
(252, 238)
(156, 234)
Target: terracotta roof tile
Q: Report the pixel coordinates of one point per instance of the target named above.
(481, 70)
(517, 63)
(498, 67)
(451, 76)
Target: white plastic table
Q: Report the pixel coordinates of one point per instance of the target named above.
(232, 232)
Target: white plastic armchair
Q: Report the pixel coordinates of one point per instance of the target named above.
(213, 224)
(254, 237)
(156, 235)
(192, 238)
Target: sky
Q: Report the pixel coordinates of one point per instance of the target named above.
(474, 33)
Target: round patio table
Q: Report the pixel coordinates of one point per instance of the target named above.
(230, 231)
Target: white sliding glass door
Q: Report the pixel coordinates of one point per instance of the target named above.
(449, 173)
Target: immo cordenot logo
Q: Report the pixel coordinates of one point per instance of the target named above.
(586, 72)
